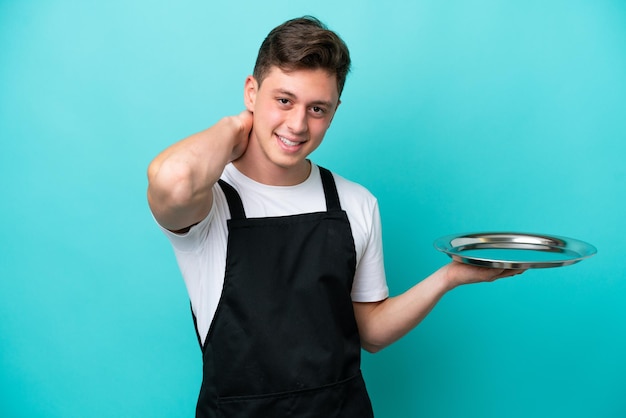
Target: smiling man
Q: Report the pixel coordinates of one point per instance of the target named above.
(292, 112)
(283, 259)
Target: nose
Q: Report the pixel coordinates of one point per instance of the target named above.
(297, 121)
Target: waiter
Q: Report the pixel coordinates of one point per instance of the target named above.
(283, 259)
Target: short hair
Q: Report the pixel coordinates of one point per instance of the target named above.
(303, 43)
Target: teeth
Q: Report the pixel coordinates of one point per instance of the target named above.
(288, 142)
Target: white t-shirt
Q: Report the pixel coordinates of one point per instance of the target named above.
(201, 252)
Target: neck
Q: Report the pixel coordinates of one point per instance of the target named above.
(276, 176)
(266, 172)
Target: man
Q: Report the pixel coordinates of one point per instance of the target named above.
(283, 259)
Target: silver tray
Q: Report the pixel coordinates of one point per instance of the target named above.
(512, 250)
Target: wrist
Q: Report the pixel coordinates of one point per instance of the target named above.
(228, 132)
(448, 278)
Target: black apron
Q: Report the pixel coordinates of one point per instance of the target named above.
(284, 341)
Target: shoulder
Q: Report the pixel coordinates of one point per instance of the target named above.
(352, 194)
(362, 209)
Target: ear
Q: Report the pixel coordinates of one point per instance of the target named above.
(249, 93)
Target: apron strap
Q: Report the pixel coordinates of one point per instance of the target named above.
(195, 325)
(330, 190)
(234, 201)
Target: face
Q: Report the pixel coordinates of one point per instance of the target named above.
(292, 112)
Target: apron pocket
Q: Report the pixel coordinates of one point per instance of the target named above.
(346, 399)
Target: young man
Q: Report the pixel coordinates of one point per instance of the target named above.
(283, 259)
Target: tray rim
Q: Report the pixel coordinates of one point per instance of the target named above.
(558, 243)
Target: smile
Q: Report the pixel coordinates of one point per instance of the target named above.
(289, 142)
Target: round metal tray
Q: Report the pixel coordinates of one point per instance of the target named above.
(512, 250)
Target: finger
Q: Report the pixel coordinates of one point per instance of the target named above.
(512, 272)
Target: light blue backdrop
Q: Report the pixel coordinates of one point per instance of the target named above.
(460, 116)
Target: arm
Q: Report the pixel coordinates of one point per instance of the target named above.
(382, 323)
(180, 179)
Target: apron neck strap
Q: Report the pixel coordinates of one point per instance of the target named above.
(233, 199)
(330, 190)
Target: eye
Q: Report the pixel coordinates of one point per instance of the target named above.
(318, 110)
(283, 101)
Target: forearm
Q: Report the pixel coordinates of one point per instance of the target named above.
(383, 323)
(182, 176)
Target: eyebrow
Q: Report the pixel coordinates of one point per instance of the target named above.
(293, 96)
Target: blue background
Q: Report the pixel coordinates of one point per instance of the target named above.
(460, 116)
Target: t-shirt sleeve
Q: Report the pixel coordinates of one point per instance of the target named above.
(191, 240)
(370, 283)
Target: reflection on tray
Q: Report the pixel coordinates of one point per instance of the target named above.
(516, 254)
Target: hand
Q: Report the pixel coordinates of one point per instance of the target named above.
(243, 123)
(458, 274)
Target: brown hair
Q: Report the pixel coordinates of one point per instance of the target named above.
(303, 43)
